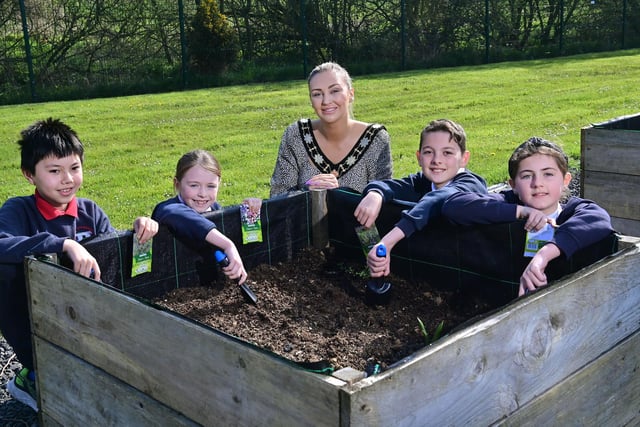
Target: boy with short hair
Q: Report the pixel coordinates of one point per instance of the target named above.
(443, 157)
(53, 220)
(557, 224)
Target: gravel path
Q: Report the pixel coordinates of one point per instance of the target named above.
(12, 412)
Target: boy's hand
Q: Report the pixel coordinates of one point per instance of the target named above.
(536, 220)
(368, 209)
(533, 276)
(145, 228)
(322, 181)
(83, 262)
(378, 266)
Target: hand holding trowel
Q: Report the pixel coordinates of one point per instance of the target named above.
(378, 289)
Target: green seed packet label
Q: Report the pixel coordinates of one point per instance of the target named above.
(536, 240)
(368, 237)
(251, 225)
(141, 262)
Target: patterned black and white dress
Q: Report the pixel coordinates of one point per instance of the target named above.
(300, 158)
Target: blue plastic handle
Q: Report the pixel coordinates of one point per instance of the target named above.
(381, 250)
(221, 258)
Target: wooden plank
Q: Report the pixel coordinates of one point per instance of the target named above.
(627, 226)
(220, 381)
(319, 218)
(480, 374)
(579, 399)
(77, 393)
(609, 150)
(618, 194)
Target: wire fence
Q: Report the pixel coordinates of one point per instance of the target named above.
(66, 49)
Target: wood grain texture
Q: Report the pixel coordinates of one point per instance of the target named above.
(493, 368)
(209, 377)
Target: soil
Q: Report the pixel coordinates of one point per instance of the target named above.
(315, 309)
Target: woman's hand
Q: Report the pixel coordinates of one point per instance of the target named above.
(254, 203)
(323, 181)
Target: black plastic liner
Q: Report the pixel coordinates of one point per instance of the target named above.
(486, 258)
(175, 263)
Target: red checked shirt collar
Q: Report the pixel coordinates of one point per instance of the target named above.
(49, 212)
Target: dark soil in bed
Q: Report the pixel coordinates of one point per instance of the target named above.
(314, 309)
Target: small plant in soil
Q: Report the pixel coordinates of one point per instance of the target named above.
(436, 334)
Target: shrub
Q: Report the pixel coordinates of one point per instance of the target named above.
(211, 40)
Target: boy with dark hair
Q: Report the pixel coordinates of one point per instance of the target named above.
(443, 157)
(52, 220)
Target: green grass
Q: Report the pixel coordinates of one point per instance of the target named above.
(133, 143)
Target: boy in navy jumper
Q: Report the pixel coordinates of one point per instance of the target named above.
(539, 178)
(443, 157)
(52, 220)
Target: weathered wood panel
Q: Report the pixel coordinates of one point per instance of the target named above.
(618, 194)
(607, 150)
(72, 400)
(220, 381)
(610, 169)
(605, 392)
(496, 366)
(628, 225)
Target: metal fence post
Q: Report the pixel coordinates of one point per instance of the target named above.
(183, 44)
(27, 51)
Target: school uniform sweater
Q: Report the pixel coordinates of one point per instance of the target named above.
(581, 222)
(417, 188)
(184, 221)
(30, 226)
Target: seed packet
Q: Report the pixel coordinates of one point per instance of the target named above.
(141, 262)
(251, 225)
(368, 237)
(536, 240)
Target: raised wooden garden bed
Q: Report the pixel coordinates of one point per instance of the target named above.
(105, 356)
(610, 169)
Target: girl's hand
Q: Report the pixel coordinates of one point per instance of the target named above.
(323, 181)
(235, 270)
(145, 228)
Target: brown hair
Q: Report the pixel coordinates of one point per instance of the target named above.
(456, 132)
(537, 145)
(197, 158)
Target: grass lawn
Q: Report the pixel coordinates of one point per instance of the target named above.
(133, 143)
